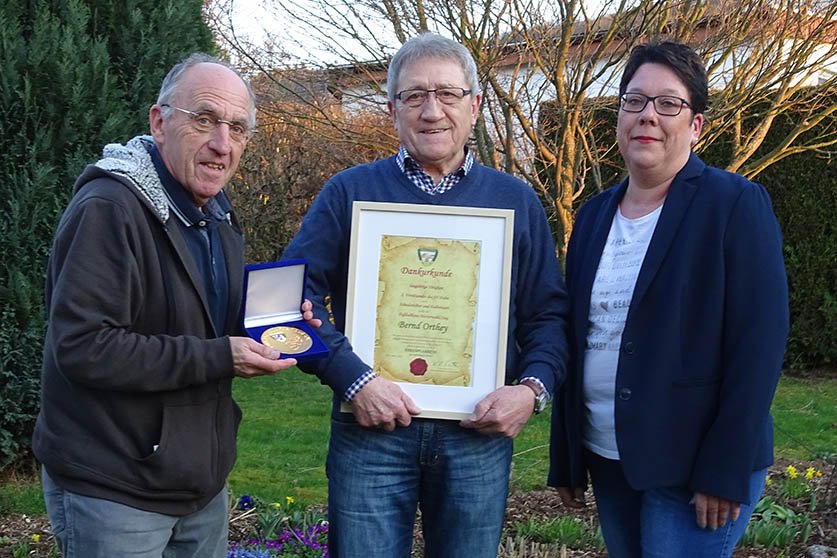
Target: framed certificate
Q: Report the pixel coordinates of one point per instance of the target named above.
(428, 300)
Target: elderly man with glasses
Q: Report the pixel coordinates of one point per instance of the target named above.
(383, 461)
(137, 427)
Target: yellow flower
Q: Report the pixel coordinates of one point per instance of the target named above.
(767, 481)
(791, 471)
(819, 473)
(36, 537)
(809, 473)
(289, 499)
(277, 505)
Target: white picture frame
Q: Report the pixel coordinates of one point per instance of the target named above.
(493, 229)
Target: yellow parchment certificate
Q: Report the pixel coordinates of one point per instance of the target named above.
(427, 300)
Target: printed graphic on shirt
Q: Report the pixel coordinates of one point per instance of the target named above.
(610, 300)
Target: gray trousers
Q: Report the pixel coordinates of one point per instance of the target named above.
(95, 528)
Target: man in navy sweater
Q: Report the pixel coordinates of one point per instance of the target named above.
(382, 461)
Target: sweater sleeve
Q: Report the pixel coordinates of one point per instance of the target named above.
(754, 334)
(541, 305)
(323, 239)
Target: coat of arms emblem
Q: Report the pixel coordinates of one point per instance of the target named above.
(427, 255)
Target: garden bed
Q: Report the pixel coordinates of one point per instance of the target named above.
(532, 512)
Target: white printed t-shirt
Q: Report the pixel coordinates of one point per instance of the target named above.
(610, 298)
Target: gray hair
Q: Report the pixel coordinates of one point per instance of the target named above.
(169, 87)
(431, 45)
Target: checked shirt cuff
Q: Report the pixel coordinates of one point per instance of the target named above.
(367, 377)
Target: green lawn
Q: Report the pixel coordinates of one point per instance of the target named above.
(20, 494)
(805, 418)
(284, 435)
(283, 439)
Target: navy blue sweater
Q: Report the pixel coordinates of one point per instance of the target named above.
(537, 344)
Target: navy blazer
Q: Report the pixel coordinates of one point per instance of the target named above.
(703, 343)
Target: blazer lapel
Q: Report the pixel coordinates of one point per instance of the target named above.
(677, 201)
(592, 254)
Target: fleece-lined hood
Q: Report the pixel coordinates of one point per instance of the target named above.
(132, 161)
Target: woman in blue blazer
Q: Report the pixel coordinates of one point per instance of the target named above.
(679, 322)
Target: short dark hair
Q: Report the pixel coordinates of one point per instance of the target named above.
(681, 59)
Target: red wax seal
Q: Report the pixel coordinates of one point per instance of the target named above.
(418, 367)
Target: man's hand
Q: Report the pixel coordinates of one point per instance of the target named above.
(712, 512)
(504, 411)
(571, 497)
(254, 359)
(382, 404)
(308, 315)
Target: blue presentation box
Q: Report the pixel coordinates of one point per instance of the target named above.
(273, 294)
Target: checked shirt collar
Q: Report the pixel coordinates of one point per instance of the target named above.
(417, 176)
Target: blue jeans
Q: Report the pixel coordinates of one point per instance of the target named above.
(660, 522)
(94, 528)
(457, 477)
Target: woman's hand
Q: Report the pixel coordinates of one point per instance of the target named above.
(713, 512)
(571, 497)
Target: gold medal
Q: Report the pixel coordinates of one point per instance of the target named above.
(289, 340)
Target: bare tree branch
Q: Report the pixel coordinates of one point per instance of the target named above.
(558, 56)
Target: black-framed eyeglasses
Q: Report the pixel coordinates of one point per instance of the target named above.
(206, 122)
(665, 105)
(445, 95)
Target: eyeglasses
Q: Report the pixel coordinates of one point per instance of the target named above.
(665, 105)
(445, 95)
(206, 122)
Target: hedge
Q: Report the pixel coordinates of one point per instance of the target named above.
(74, 75)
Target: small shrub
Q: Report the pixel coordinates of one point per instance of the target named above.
(283, 530)
(781, 517)
(569, 531)
(794, 486)
(21, 550)
(773, 525)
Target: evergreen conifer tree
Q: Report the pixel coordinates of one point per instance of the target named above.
(74, 75)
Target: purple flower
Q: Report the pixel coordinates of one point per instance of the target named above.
(245, 503)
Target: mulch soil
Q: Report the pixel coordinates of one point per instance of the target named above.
(16, 529)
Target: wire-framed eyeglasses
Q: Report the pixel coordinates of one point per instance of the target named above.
(445, 95)
(665, 105)
(206, 122)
